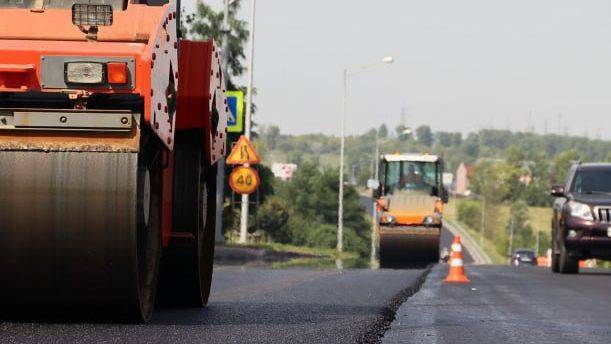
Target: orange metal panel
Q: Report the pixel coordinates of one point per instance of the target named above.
(20, 62)
(146, 33)
(202, 100)
(136, 24)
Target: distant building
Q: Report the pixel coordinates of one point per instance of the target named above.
(284, 171)
(463, 173)
(448, 180)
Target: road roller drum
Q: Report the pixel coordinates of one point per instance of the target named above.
(408, 246)
(80, 229)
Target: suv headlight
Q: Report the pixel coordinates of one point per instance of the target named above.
(390, 219)
(84, 73)
(580, 210)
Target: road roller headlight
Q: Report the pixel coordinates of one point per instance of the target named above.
(428, 220)
(89, 73)
(389, 219)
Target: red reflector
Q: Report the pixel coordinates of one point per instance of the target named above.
(117, 72)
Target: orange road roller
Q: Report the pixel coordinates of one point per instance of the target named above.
(410, 197)
(110, 129)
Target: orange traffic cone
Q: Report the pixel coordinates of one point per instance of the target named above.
(457, 272)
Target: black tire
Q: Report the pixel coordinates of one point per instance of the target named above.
(149, 225)
(567, 264)
(555, 265)
(188, 262)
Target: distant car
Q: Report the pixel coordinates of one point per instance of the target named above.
(581, 223)
(524, 257)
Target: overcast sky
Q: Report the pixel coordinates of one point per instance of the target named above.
(459, 65)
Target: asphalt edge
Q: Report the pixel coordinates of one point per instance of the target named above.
(477, 252)
(376, 332)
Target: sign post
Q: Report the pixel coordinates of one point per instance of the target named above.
(244, 179)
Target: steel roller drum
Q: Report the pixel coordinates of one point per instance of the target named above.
(68, 231)
(404, 246)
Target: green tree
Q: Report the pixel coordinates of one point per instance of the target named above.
(272, 216)
(471, 145)
(562, 164)
(456, 139)
(470, 213)
(444, 138)
(522, 230)
(537, 191)
(424, 134)
(383, 131)
(313, 197)
(206, 23)
(272, 135)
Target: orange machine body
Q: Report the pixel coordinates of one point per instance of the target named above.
(143, 34)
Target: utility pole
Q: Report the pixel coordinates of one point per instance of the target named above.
(340, 215)
(374, 226)
(247, 120)
(220, 172)
(510, 236)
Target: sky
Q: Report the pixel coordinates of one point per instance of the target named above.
(542, 65)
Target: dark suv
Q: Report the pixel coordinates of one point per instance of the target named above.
(581, 225)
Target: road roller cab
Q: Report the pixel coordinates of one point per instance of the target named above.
(107, 153)
(410, 197)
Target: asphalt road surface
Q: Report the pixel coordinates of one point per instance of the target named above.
(254, 305)
(507, 305)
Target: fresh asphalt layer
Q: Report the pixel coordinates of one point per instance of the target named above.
(505, 304)
(254, 305)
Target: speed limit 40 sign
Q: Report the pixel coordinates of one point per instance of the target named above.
(244, 180)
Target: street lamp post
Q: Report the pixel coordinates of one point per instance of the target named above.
(247, 120)
(340, 210)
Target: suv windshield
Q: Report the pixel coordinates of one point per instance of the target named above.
(592, 181)
(411, 175)
(117, 5)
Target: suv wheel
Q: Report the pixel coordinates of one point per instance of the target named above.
(567, 264)
(555, 263)
(555, 256)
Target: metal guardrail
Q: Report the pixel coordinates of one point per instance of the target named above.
(480, 257)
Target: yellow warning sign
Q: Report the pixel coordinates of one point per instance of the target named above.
(243, 153)
(244, 180)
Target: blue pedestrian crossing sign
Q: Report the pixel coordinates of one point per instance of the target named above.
(235, 120)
